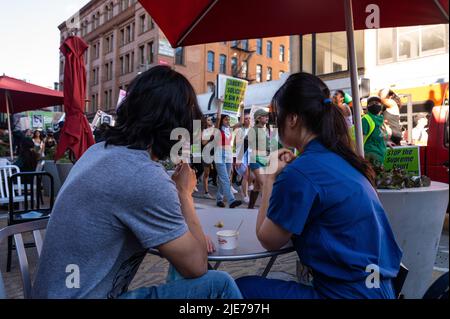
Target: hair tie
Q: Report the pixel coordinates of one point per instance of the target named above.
(327, 101)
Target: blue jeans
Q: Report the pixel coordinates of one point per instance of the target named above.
(256, 287)
(223, 185)
(212, 285)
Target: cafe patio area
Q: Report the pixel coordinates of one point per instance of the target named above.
(153, 270)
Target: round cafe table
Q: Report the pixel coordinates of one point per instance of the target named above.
(248, 244)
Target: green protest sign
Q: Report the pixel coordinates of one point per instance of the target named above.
(403, 157)
(233, 96)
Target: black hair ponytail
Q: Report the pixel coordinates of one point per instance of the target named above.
(309, 97)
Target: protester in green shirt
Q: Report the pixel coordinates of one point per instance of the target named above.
(374, 135)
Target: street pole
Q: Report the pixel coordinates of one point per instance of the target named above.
(354, 76)
(9, 126)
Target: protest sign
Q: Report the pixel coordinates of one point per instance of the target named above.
(403, 157)
(122, 95)
(231, 91)
(38, 121)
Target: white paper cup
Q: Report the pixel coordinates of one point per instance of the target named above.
(228, 239)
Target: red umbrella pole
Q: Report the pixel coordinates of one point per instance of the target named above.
(354, 76)
(9, 126)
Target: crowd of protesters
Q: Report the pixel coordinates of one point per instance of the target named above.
(29, 147)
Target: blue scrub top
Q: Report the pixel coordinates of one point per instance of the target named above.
(338, 224)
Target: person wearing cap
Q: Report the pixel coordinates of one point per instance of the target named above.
(374, 135)
(259, 144)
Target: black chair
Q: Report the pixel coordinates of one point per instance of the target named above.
(31, 187)
(399, 281)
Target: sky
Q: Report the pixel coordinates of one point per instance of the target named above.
(29, 38)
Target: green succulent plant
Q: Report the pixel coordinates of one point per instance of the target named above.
(397, 178)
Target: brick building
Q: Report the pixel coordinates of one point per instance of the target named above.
(124, 40)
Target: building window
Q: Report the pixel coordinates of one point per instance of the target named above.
(179, 56)
(122, 65)
(269, 74)
(259, 46)
(106, 99)
(258, 73)
(110, 11)
(142, 23)
(122, 37)
(128, 34)
(142, 55)
(399, 44)
(127, 63)
(109, 43)
(269, 49)
(95, 76)
(244, 44)
(281, 53)
(223, 64)
(95, 51)
(150, 53)
(151, 23)
(106, 70)
(132, 62)
(234, 44)
(432, 39)
(211, 61)
(307, 54)
(94, 104)
(234, 66)
(280, 74)
(124, 4)
(385, 45)
(408, 43)
(331, 52)
(96, 20)
(244, 69)
(107, 16)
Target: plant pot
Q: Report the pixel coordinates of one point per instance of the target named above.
(417, 216)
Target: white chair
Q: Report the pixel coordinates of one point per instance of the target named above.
(16, 231)
(5, 173)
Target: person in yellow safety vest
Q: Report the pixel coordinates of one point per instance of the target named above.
(375, 136)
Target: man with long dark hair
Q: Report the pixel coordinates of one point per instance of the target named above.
(118, 202)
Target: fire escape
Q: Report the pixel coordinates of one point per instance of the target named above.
(243, 54)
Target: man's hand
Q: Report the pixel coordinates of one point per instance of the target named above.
(185, 179)
(278, 161)
(210, 245)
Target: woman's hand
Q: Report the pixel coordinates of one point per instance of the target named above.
(209, 245)
(278, 161)
(185, 179)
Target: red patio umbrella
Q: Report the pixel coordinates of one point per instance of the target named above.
(19, 96)
(76, 134)
(204, 21)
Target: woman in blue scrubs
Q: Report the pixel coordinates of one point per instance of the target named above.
(324, 201)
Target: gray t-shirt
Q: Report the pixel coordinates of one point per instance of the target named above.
(115, 204)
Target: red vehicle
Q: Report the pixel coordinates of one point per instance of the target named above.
(434, 156)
